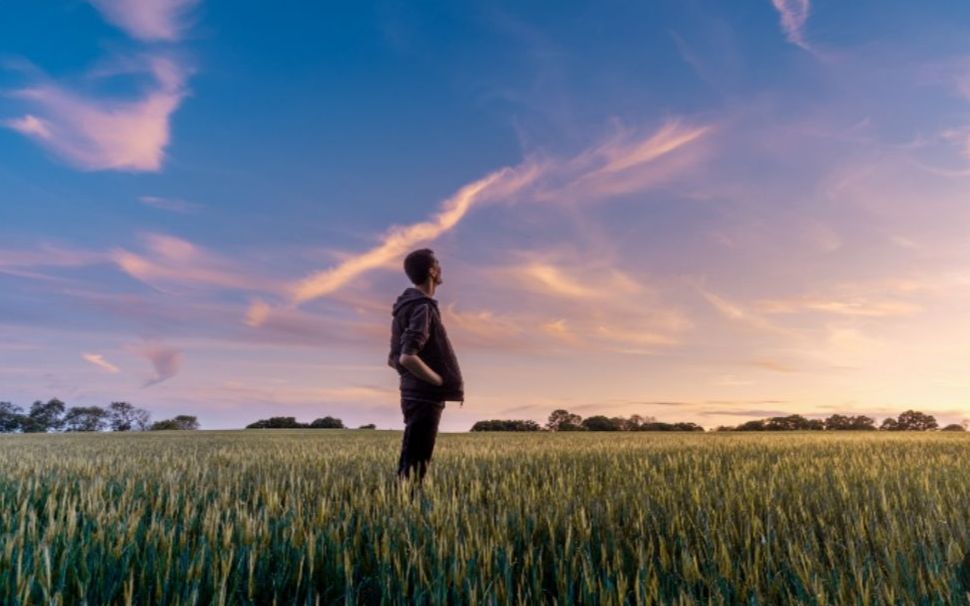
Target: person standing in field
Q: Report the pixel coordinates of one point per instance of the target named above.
(423, 357)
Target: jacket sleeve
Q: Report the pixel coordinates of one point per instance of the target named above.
(418, 330)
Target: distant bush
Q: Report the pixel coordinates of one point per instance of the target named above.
(276, 423)
(181, 422)
(510, 425)
(327, 423)
(368, 426)
(292, 423)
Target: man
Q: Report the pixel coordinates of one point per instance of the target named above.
(425, 361)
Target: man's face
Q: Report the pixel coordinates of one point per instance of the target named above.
(436, 273)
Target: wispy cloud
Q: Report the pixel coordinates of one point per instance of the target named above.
(148, 20)
(102, 133)
(49, 255)
(169, 204)
(166, 361)
(611, 168)
(845, 307)
(99, 361)
(398, 240)
(173, 261)
(794, 14)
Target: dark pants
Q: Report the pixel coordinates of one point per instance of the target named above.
(420, 430)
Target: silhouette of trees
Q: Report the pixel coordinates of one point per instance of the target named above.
(658, 426)
(54, 415)
(44, 417)
(847, 422)
(910, 420)
(563, 420)
(122, 416)
(327, 423)
(503, 425)
(602, 423)
(292, 423)
(368, 426)
(11, 417)
(954, 427)
(85, 418)
(181, 422)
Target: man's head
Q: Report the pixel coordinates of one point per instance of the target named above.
(421, 266)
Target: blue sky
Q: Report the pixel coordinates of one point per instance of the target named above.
(699, 211)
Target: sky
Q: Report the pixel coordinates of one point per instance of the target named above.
(692, 210)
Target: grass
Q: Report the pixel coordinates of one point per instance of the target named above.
(314, 517)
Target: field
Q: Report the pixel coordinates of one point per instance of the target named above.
(313, 516)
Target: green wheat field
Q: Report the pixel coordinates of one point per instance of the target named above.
(314, 517)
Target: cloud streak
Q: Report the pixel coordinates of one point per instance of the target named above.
(169, 204)
(794, 14)
(147, 20)
(166, 362)
(170, 260)
(398, 240)
(93, 133)
(99, 361)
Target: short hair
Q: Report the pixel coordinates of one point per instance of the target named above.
(418, 264)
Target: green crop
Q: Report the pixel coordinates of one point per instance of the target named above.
(316, 517)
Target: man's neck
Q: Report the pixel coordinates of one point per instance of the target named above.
(427, 289)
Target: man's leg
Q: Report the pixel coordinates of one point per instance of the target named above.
(421, 428)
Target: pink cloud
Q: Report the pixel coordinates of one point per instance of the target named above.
(99, 361)
(149, 20)
(794, 14)
(166, 361)
(173, 261)
(94, 133)
(398, 240)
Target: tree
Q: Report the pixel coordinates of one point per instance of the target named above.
(125, 417)
(600, 423)
(44, 417)
(912, 420)
(368, 426)
(862, 422)
(11, 417)
(180, 422)
(276, 423)
(506, 425)
(85, 418)
(753, 425)
(563, 420)
(889, 424)
(837, 422)
(954, 427)
(186, 422)
(327, 423)
(792, 423)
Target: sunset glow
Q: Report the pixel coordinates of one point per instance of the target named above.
(706, 212)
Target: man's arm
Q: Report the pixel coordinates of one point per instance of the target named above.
(415, 335)
(421, 370)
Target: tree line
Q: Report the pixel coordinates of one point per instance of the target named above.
(563, 420)
(291, 423)
(911, 420)
(54, 415)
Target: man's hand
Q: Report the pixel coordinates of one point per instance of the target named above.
(419, 369)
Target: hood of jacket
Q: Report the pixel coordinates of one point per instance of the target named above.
(409, 296)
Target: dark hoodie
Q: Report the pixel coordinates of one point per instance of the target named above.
(417, 329)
